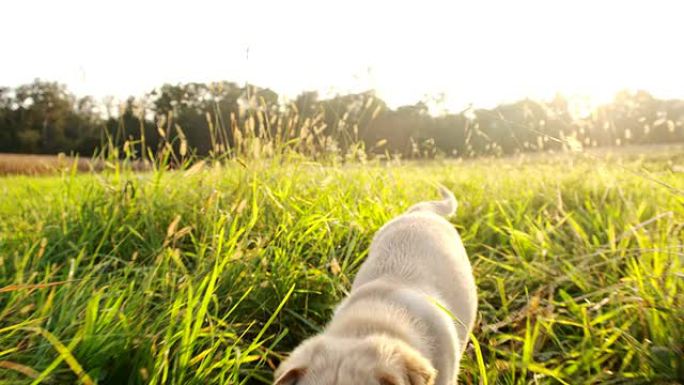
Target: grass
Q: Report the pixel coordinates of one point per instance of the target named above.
(208, 275)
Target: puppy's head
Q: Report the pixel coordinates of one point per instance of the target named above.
(376, 360)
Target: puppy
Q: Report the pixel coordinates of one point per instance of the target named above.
(408, 316)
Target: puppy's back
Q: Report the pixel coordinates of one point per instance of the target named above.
(421, 250)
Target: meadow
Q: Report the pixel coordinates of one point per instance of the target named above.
(209, 274)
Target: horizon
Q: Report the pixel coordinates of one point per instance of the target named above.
(586, 52)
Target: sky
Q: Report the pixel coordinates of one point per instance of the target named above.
(483, 52)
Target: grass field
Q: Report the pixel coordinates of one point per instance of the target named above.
(207, 276)
(26, 164)
(38, 164)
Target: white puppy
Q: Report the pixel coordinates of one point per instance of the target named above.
(390, 330)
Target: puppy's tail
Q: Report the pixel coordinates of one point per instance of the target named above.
(445, 207)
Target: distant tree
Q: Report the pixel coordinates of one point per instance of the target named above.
(8, 129)
(130, 127)
(43, 117)
(307, 103)
(225, 118)
(203, 112)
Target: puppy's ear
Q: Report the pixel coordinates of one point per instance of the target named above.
(295, 366)
(289, 377)
(407, 365)
(419, 370)
(388, 379)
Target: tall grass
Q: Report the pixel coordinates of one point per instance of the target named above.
(209, 273)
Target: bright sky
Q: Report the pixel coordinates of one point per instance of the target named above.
(472, 51)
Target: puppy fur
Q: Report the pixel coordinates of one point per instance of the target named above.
(408, 316)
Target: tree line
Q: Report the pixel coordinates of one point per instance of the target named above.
(224, 118)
